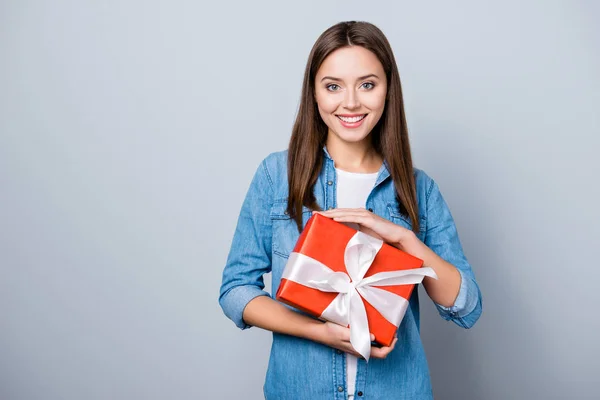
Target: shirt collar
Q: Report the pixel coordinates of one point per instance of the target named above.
(384, 173)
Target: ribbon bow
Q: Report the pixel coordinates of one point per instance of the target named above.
(348, 308)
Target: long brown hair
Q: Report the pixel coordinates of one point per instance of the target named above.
(389, 136)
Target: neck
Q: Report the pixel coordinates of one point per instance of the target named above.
(353, 156)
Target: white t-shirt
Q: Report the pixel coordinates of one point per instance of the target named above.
(353, 188)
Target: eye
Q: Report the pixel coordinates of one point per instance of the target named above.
(330, 85)
(369, 83)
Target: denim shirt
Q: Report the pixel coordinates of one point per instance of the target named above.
(264, 237)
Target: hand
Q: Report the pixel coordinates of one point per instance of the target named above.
(338, 337)
(372, 224)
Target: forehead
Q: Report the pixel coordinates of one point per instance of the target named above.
(350, 62)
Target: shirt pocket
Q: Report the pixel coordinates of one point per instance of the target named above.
(403, 220)
(285, 231)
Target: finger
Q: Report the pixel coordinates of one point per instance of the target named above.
(363, 220)
(384, 230)
(346, 347)
(334, 215)
(355, 212)
(344, 334)
(382, 352)
(350, 350)
(350, 213)
(340, 333)
(344, 211)
(358, 216)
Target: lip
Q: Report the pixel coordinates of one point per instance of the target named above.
(351, 124)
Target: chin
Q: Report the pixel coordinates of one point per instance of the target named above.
(357, 138)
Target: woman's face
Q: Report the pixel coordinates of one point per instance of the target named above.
(350, 90)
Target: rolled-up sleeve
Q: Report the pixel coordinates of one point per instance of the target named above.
(442, 238)
(249, 257)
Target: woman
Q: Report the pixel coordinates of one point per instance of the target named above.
(349, 159)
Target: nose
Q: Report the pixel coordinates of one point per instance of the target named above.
(351, 101)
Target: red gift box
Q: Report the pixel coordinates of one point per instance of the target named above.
(340, 274)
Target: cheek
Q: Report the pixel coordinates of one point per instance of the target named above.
(327, 118)
(375, 103)
(327, 104)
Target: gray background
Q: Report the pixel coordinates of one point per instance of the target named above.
(130, 130)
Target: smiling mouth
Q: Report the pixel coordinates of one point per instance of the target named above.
(352, 120)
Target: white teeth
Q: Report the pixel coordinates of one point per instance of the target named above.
(351, 119)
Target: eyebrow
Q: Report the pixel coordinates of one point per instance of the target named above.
(360, 78)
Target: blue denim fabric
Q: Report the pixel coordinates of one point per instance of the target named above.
(264, 237)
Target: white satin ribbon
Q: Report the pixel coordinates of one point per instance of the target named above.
(348, 307)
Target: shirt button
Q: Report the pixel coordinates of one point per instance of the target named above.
(359, 393)
(370, 209)
(329, 183)
(340, 388)
(338, 351)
